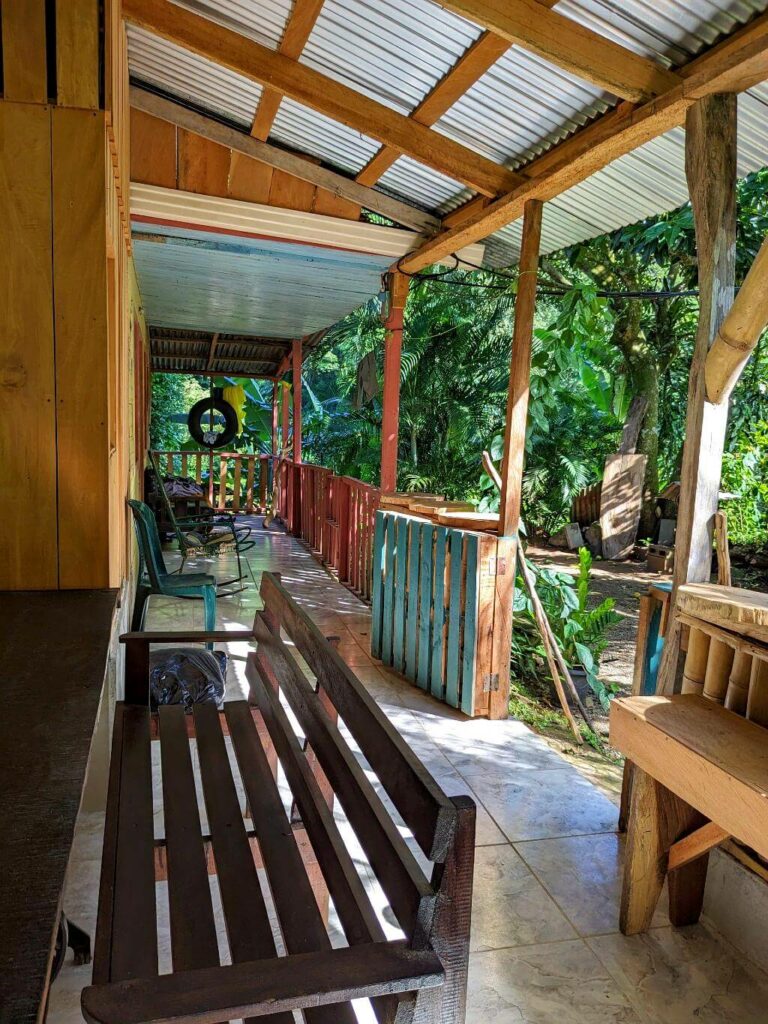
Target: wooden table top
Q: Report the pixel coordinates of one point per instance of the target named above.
(53, 656)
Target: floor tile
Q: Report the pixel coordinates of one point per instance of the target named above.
(544, 805)
(556, 983)
(510, 907)
(682, 975)
(583, 876)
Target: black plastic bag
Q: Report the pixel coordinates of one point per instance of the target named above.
(187, 675)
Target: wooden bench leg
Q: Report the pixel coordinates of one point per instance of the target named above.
(658, 818)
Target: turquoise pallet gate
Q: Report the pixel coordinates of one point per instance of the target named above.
(433, 596)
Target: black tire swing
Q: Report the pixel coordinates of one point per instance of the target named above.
(207, 407)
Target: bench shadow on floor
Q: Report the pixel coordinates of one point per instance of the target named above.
(545, 940)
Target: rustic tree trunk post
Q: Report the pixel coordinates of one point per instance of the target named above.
(397, 287)
(710, 162)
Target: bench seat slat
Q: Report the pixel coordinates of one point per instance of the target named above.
(245, 914)
(193, 929)
(301, 922)
(711, 758)
(424, 807)
(134, 920)
(394, 864)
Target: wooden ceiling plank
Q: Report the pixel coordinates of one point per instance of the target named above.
(570, 45)
(738, 63)
(471, 66)
(298, 29)
(307, 170)
(319, 92)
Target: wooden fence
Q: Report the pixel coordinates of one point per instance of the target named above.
(439, 597)
(335, 515)
(238, 481)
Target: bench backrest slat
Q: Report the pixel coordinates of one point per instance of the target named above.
(425, 809)
(395, 866)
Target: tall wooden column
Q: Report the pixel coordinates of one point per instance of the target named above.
(296, 362)
(710, 164)
(520, 372)
(275, 416)
(514, 455)
(285, 416)
(296, 388)
(397, 287)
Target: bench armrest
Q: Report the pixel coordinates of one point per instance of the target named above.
(265, 987)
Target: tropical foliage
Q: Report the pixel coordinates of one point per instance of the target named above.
(616, 318)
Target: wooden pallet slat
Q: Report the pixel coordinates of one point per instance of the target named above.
(436, 675)
(377, 596)
(467, 696)
(425, 605)
(412, 612)
(453, 656)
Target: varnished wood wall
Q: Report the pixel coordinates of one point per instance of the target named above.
(65, 298)
(163, 155)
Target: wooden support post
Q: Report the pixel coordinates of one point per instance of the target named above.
(659, 819)
(397, 286)
(710, 162)
(296, 359)
(275, 417)
(514, 451)
(286, 419)
(520, 372)
(296, 389)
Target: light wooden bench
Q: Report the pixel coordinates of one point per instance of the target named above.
(422, 973)
(700, 768)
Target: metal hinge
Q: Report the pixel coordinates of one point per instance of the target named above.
(497, 566)
(491, 682)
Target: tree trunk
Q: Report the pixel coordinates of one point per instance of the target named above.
(643, 378)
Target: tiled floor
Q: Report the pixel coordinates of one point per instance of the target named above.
(545, 941)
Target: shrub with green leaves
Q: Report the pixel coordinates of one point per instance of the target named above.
(580, 631)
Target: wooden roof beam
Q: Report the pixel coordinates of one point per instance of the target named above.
(319, 92)
(736, 64)
(570, 45)
(306, 170)
(298, 29)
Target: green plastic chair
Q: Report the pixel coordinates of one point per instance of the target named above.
(154, 577)
(207, 532)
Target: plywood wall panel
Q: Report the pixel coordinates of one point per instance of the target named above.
(334, 206)
(81, 331)
(27, 382)
(153, 150)
(203, 165)
(249, 179)
(77, 53)
(25, 74)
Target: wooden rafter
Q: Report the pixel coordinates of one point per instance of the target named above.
(212, 351)
(297, 31)
(738, 63)
(319, 92)
(570, 45)
(471, 66)
(306, 170)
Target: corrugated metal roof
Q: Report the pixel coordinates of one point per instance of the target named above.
(396, 52)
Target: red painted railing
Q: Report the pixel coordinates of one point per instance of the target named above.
(335, 515)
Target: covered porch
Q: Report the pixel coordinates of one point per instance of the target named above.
(205, 188)
(545, 939)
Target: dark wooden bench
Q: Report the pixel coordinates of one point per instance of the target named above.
(422, 974)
